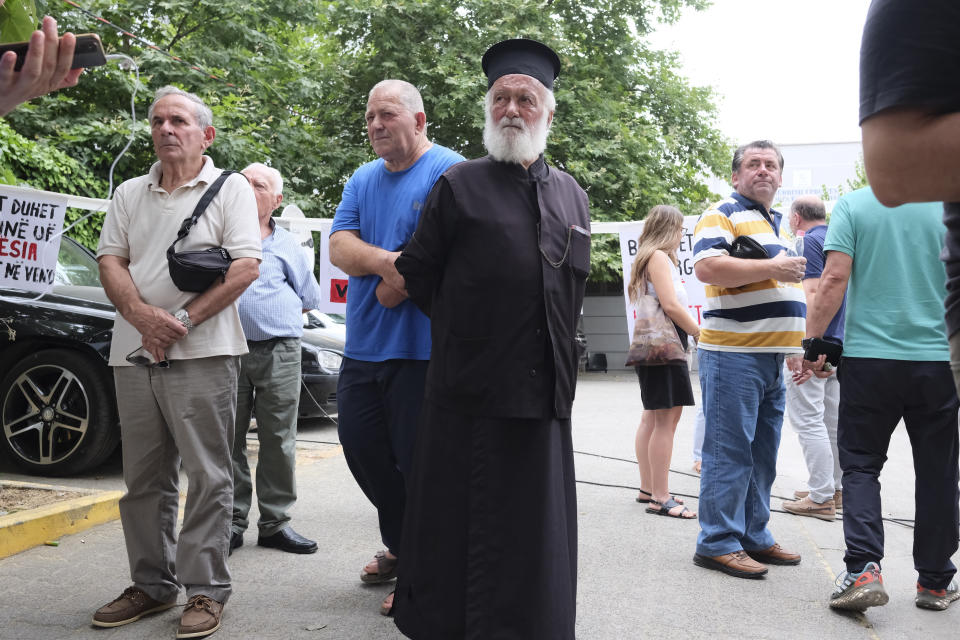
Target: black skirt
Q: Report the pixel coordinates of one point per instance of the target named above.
(665, 386)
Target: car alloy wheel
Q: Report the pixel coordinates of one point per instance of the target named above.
(58, 412)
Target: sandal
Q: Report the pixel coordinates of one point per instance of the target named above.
(664, 509)
(650, 499)
(387, 609)
(386, 569)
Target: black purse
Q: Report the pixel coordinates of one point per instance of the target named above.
(197, 271)
(747, 247)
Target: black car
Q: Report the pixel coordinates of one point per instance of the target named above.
(57, 404)
(321, 350)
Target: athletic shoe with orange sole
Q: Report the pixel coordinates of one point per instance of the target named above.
(859, 591)
(937, 599)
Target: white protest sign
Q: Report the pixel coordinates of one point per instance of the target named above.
(303, 235)
(30, 227)
(696, 297)
(333, 281)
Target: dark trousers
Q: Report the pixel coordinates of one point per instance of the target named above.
(874, 395)
(379, 406)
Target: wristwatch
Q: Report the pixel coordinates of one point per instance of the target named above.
(184, 318)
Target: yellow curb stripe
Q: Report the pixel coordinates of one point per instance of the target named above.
(26, 529)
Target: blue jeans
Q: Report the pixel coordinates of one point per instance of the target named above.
(743, 398)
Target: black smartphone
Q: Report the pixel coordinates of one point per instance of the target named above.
(88, 53)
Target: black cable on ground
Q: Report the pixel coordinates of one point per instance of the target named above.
(903, 522)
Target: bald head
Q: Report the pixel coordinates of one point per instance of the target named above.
(401, 91)
(809, 208)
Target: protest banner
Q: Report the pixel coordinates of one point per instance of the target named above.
(696, 297)
(333, 281)
(30, 226)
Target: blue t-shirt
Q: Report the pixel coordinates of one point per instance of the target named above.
(813, 252)
(384, 206)
(897, 283)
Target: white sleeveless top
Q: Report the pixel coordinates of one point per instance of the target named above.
(678, 287)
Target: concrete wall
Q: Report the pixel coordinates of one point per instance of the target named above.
(605, 323)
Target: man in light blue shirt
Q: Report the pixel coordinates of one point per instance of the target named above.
(388, 339)
(896, 364)
(269, 383)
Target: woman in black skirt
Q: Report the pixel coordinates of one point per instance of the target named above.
(664, 389)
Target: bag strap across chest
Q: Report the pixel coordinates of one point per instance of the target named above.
(198, 210)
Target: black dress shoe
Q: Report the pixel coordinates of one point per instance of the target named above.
(288, 540)
(236, 541)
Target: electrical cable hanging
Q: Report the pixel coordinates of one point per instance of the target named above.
(126, 63)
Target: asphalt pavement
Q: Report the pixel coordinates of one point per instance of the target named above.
(636, 576)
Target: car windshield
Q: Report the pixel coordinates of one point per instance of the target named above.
(76, 266)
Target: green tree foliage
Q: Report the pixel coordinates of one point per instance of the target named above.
(18, 19)
(30, 162)
(628, 127)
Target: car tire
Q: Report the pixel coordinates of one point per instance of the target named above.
(58, 412)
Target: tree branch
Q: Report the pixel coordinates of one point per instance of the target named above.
(181, 34)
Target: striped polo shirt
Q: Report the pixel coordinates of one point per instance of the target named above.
(761, 317)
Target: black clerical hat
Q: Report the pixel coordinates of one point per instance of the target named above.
(529, 57)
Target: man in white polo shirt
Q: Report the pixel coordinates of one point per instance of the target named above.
(180, 409)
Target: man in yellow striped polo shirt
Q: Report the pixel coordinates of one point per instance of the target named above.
(754, 316)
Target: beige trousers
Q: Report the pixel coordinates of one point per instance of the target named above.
(181, 415)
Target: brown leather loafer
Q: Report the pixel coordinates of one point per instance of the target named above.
(132, 605)
(201, 617)
(735, 563)
(775, 555)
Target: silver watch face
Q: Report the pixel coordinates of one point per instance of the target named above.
(184, 318)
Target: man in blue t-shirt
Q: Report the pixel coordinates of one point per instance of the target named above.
(812, 405)
(895, 365)
(388, 338)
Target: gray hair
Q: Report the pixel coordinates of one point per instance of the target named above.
(756, 144)
(201, 111)
(809, 208)
(272, 175)
(406, 93)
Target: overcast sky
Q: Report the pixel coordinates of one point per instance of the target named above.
(786, 70)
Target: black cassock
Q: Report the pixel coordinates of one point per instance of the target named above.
(499, 261)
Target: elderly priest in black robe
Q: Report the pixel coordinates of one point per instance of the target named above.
(498, 261)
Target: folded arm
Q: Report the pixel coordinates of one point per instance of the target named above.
(730, 272)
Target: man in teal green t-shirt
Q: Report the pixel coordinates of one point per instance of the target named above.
(895, 365)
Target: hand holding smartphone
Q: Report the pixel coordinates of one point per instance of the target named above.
(88, 51)
(47, 65)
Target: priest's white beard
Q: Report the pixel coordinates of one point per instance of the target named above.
(508, 144)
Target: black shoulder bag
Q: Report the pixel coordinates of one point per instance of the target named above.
(196, 271)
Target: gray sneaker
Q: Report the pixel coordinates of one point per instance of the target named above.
(937, 599)
(859, 591)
